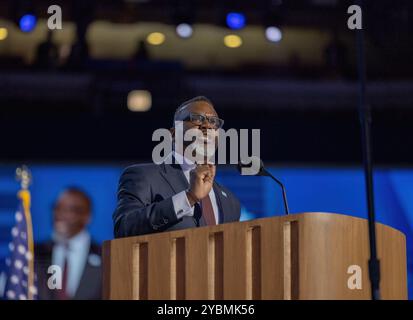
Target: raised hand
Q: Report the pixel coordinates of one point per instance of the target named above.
(201, 182)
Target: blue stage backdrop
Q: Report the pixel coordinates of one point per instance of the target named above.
(339, 190)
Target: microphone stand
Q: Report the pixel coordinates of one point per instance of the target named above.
(365, 123)
(264, 172)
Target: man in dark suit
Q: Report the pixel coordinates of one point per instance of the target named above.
(71, 249)
(163, 197)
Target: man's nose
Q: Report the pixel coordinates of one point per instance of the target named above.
(206, 125)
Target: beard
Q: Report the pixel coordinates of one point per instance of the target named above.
(205, 151)
(202, 148)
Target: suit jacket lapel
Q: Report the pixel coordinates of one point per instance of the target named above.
(174, 176)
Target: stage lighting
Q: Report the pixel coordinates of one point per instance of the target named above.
(184, 30)
(3, 34)
(27, 22)
(155, 38)
(139, 100)
(235, 20)
(232, 41)
(273, 34)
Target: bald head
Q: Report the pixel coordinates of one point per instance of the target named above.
(199, 104)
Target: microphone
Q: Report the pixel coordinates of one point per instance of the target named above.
(256, 168)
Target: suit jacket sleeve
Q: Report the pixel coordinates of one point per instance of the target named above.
(137, 211)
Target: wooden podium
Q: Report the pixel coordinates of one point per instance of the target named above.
(300, 256)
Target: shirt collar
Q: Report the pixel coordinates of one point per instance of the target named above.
(78, 240)
(185, 163)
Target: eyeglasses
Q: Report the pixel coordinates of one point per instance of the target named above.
(199, 119)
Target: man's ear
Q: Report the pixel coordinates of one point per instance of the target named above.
(172, 131)
(88, 219)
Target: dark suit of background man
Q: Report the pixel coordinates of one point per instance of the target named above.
(154, 198)
(72, 249)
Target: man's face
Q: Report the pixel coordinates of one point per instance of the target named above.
(201, 108)
(71, 214)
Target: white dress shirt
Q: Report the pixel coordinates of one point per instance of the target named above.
(180, 200)
(76, 251)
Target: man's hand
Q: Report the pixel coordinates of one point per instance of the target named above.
(201, 181)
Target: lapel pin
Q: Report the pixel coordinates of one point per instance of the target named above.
(224, 194)
(94, 260)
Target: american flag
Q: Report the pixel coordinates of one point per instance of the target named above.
(21, 276)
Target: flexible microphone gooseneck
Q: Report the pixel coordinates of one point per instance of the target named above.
(247, 169)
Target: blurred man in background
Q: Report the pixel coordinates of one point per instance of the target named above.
(72, 249)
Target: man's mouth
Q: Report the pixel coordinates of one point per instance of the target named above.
(208, 138)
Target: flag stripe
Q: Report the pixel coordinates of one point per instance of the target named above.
(21, 281)
(25, 197)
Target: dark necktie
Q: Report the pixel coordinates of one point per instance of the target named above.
(208, 211)
(61, 294)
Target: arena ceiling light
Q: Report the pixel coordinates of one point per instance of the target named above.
(139, 100)
(27, 22)
(273, 34)
(3, 33)
(184, 30)
(232, 41)
(155, 38)
(235, 20)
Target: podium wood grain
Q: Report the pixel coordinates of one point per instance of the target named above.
(300, 256)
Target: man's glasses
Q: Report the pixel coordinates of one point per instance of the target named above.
(199, 119)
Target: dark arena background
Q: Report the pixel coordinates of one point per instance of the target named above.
(80, 103)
